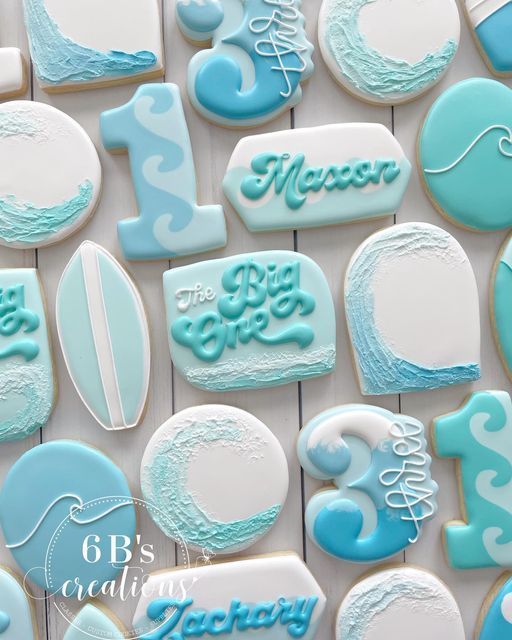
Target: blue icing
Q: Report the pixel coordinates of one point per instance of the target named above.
(5, 621)
(201, 18)
(57, 59)
(501, 300)
(16, 615)
(334, 460)
(495, 34)
(371, 72)
(24, 222)
(381, 370)
(152, 127)
(67, 491)
(497, 622)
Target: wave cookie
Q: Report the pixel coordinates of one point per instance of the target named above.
(259, 56)
(492, 24)
(412, 311)
(13, 76)
(16, 612)
(252, 320)
(479, 435)
(495, 619)
(104, 336)
(194, 503)
(38, 208)
(91, 43)
(318, 176)
(399, 493)
(27, 382)
(388, 52)
(94, 622)
(465, 154)
(54, 497)
(400, 602)
(272, 597)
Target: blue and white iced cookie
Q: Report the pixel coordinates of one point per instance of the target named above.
(384, 492)
(465, 154)
(411, 302)
(53, 498)
(401, 601)
(495, 620)
(27, 385)
(96, 622)
(388, 51)
(84, 45)
(13, 76)
(259, 56)
(50, 180)
(191, 501)
(16, 612)
(491, 22)
(152, 127)
(317, 176)
(252, 320)
(501, 304)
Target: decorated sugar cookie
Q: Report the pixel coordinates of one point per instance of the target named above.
(495, 619)
(205, 509)
(270, 597)
(54, 497)
(380, 501)
(27, 387)
(388, 51)
(259, 56)
(94, 621)
(92, 43)
(16, 612)
(104, 337)
(50, 181)
(501, 304)
(399, 602)
(152, 127)
(491, 21)
(13, 77)
(479, 435)
(412, 311)
(465, 154)
(253, 320)
(318, 176)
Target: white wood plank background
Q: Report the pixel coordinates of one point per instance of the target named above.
(286, 408)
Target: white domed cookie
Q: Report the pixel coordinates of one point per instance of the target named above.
(215, 477)
(388, 51)
(13, 77)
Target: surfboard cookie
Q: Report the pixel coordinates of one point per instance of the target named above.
(491, 22)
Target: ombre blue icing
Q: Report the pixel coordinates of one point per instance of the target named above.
(497, 619)
(260, 80)
(199, 18)
(384, 491)
(58, 59)
(492, 22)
(152, 127)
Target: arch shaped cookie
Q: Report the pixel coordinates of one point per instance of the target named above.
(17, 619)
(491, 23)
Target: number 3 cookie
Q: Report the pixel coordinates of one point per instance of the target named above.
(260, 55)
(383, 491)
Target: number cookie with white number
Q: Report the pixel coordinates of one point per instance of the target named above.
(95, 621)
(388, 51)
(104, 336)
(372, 452)
(248, 321)
(153, 128)
(266, 597)
(318, 176)
(479, 436)
(412, 311)
(91, 43)
(491, 22)
(258, 59)
(399, 602)
(17, 620)
(195, 503)
(13, 77)
(59, 506)
(465, 154)
(495, 619)
(50, 181)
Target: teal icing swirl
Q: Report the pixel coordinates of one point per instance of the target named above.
(368, 70)
(165, 486)
(57, 59)
(24, 222)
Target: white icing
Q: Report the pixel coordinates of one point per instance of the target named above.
(480, 10)
(506, 607)
(12, 72)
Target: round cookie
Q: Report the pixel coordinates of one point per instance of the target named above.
(491, 24)
(399, 602)
(17, 618)
(217, 477)
(495, 619)
(259, 56)
(50, 181)
(57, 500)
(388, 52)
(465, 154)
(384, 492)
(95, 621)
